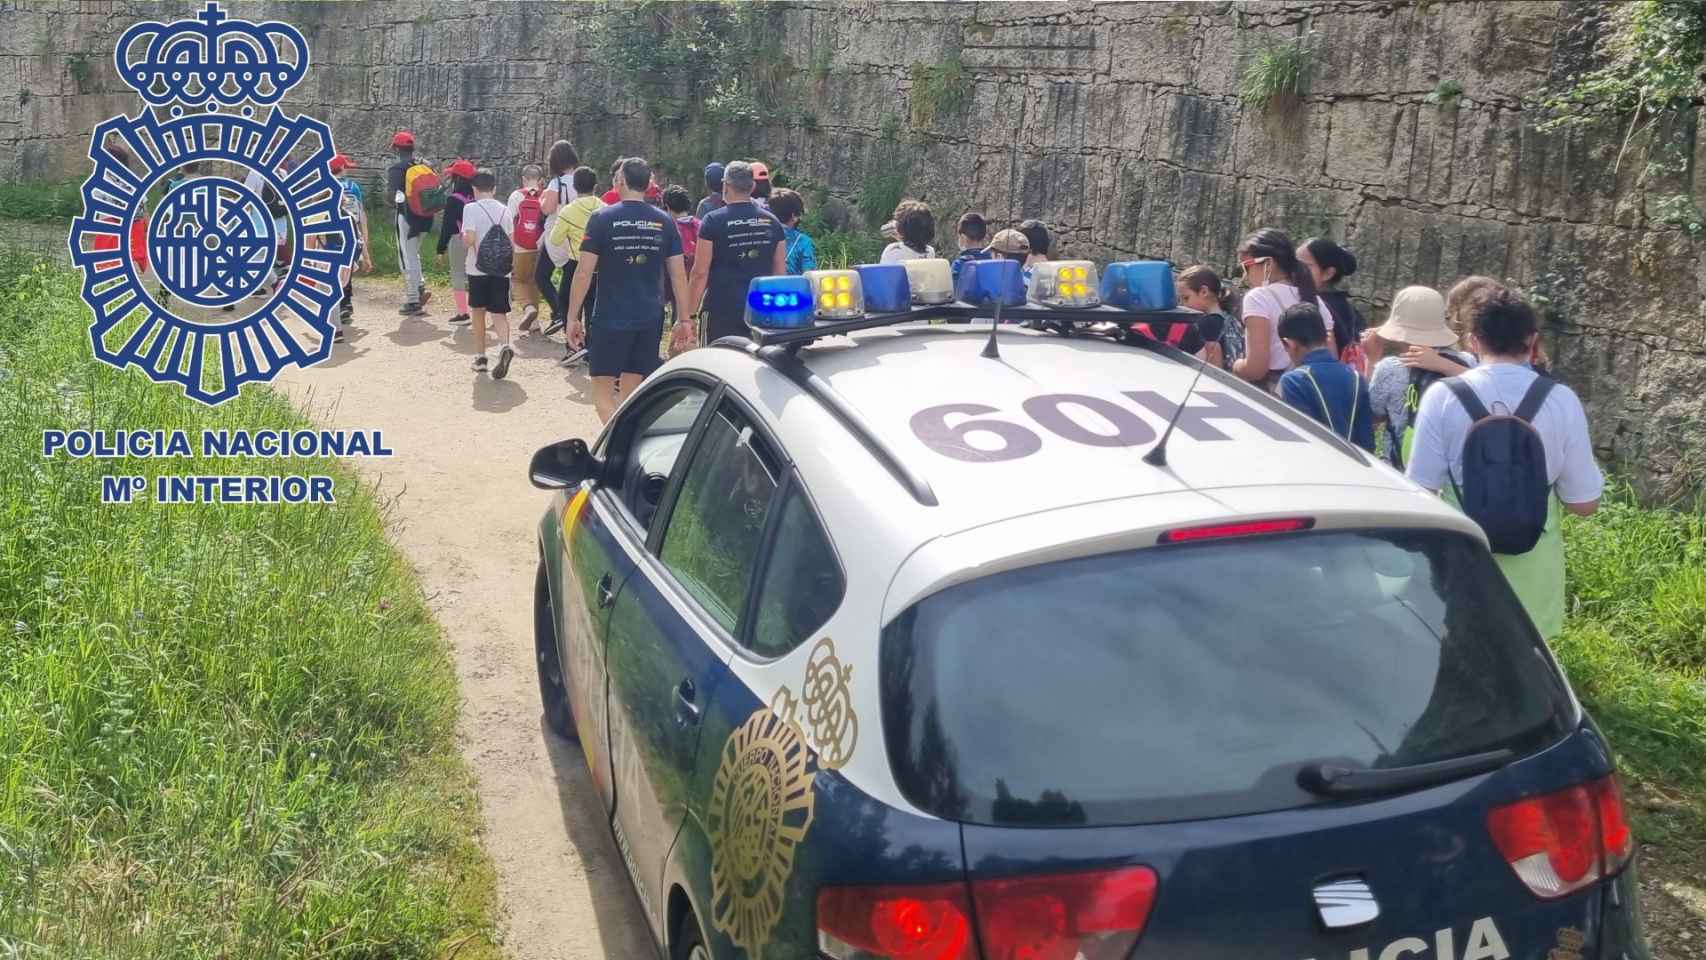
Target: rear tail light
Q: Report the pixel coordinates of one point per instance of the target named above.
(906, 923)
(1093, 916)
(1562, 842)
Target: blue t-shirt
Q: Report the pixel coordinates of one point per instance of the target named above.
(633, 241)
(965, 257)
(1333, 395)
(802, 252)
(743, 244)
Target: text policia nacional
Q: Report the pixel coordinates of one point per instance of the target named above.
(218, 487)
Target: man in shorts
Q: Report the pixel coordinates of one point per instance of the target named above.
(629, 246)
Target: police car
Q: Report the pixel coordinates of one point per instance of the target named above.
(886, 637)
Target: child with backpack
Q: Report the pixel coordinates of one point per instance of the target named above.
(1397, 379)
(680, 206)
(789, 207)
(461, 175)
(350, 202)
(1317, 384)
(1509, 446)
(526, 226)
(418, 196)
(488, 261)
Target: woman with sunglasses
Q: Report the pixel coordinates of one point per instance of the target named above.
(1276, 280)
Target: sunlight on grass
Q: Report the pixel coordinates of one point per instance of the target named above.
(227, 730)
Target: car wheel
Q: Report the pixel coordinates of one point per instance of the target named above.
(553, 693)
(690, 945)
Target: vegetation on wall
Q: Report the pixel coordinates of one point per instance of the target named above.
(1650, 76)
(1277, 75)
(939, 90)
(1444, 91)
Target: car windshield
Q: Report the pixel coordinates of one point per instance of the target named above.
(1183, 682)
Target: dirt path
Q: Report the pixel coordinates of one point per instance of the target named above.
(467, 522)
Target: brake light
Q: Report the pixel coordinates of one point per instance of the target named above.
(1243, 528)
(1096, 916)
(1562, 842)
(902, 923)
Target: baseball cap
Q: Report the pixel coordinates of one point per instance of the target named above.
(1010, 241)
(714, 175)
(760, 171)
(461, 168)
(342, 162)
(1418, 318)
(653, 191)
(403, 138)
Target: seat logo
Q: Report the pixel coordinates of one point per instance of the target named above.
(1345, 903)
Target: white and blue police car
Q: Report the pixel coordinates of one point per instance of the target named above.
(892, 638)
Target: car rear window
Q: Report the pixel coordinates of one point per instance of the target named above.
(1193, 681)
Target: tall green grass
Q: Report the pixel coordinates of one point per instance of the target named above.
(41, 202)
(225, 731)
(1635, 650)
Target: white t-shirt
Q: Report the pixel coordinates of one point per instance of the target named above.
(1442, 425)
(1269, 302)
(898, 252)
(487, 213)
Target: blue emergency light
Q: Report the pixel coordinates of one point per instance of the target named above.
(887, 288)
(986, 282)
(1139, 285)
(779, 303)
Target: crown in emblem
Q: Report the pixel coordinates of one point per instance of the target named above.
(211, 58)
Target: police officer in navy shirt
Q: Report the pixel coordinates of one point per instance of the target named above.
(737, 241)
(629, 245)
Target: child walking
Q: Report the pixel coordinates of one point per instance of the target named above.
(487, 276)
(450, 234)
(350, 202)
(788, 207)
(567, 234)
(526, 226)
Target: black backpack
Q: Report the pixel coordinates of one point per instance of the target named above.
(1504, 487)
(495, 257)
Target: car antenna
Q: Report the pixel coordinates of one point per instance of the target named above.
(1157, 455)
(990, 350)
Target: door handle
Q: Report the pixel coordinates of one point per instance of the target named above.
(606, 597)
(686, 710)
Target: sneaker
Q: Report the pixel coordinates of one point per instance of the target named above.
(338, 336)
(412, 310)
(426, 295)
(554, 326)
(529, 314)
(461, 318)
(504, 357)
(228, 308)
(346, 314)
(572, 358)
(481, 363)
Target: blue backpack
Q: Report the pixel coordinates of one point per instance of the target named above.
(1504, 488)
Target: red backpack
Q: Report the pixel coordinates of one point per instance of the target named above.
(529, 222)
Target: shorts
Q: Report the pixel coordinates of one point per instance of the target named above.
(612, 351)
(490, 294)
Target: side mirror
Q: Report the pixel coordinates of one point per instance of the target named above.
(562, 465)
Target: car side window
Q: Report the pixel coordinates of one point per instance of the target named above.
(803, 583)
(650, 438)
(716, 527)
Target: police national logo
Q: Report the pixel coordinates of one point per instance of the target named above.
(226, 280)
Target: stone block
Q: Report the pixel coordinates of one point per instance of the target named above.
(1158, 53)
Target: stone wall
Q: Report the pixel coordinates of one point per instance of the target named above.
(1118, 124)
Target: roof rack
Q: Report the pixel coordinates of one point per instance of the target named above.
(1059, 319)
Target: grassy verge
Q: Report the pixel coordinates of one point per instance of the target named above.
(1635, 649)
(226, 731)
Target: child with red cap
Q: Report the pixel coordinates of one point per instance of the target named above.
(461, 175)
(410, 227)
(350, 202)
